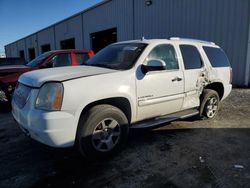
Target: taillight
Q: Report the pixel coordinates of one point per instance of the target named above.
(91, 53)
(231, 75)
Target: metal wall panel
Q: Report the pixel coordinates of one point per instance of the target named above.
(13, 50)
(224, 22)
(116, 13)
(71, 28)
(7, 50)
(21, 46)
(247, 71)
(46, 36)
(31, 42)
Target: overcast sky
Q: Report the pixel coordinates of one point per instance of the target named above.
(19, 18)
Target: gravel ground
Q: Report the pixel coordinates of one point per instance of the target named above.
(186, 153)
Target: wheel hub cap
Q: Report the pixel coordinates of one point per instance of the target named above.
(106, 135)
(212, 107)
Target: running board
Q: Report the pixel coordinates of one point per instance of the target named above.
(157, 122)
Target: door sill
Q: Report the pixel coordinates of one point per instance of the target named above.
(162, 120)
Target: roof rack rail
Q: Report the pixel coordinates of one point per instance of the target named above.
(194, 40)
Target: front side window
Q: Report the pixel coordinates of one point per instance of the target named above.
(217, 57)
(82, 58)
(118, 56)
(166, 53)
(61, 60)
(191, 57)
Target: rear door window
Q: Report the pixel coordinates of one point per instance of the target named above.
(191, 57)
(81, 58)
(61, 60)
(216, 56)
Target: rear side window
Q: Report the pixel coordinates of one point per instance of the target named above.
(191, 57)
(82, 58)
(217, 57)
(61, 60)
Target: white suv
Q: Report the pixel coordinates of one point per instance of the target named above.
(131, 84)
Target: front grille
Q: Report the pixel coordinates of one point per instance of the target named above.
(21, 95)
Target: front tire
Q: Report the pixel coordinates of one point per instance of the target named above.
(102, 131)
(209, 104)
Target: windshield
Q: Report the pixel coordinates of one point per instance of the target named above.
(118, 56)
(35, 62)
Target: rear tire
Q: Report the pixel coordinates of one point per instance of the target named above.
(209, 104)
(102, 131)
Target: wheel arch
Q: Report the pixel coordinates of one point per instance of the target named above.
(120, 102)
(216, 86)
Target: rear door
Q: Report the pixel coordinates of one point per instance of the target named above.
(194, 73)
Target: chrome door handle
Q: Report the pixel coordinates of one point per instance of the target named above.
(178, 79)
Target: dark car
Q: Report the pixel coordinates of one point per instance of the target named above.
(9, 74)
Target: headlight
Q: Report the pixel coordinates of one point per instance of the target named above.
(50, 96)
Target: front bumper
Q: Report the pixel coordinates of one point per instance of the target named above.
(54, 129)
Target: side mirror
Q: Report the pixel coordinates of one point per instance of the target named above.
(153, 65)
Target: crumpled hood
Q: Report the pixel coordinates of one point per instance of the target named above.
(38, 77)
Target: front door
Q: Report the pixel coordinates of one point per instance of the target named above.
(161, 92)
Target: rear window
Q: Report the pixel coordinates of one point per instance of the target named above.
(217, 57)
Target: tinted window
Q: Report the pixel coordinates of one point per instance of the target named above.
(117, 56)
(165, 53)
(82, 58)
(35, 62)
(191, 57)
(217, 57)
(61, 60)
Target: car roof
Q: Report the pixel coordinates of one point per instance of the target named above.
(71, 50)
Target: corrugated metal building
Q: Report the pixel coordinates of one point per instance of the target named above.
(225, 22)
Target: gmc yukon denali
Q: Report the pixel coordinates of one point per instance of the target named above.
(131, 84)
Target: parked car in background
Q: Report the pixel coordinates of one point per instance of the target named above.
(58, 58)
(12, 61)
(138, 84)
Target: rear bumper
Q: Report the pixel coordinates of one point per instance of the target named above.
(227, 91)
(50, 128)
